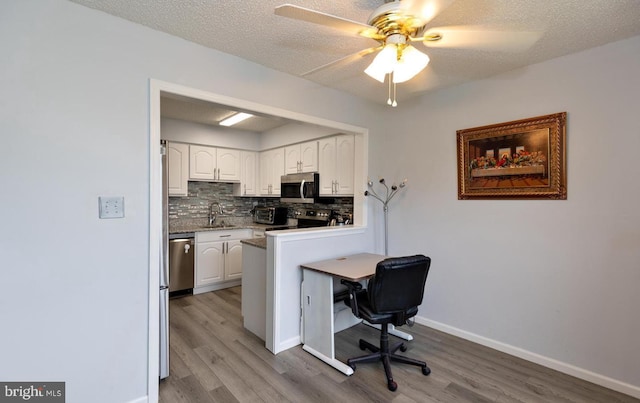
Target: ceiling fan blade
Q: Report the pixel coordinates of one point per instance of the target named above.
(345, 59)
(426, 10)
(470, 37)
(328, 20)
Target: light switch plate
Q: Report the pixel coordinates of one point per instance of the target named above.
(111, 207)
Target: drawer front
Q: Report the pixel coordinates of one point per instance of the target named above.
(223, 235)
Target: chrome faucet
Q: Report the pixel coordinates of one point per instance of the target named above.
(214, 210)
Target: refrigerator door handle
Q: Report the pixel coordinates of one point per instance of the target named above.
(164, 249)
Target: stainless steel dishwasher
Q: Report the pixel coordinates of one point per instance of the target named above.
(181, 262)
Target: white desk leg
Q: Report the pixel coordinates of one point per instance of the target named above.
(339, 365)
(317, 318)
(392, 330)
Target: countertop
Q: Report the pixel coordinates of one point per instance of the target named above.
(192, 227)
(257, 242)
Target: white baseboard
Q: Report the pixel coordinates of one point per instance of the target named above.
(143, 399)
(216, 286)
(287, 344)
(560, 366)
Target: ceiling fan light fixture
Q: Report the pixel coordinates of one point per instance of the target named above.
(235, 119)
(411, 63)
(383, 63)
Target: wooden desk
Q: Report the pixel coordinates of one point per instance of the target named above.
(317, 302)
(353, 267)
(318, 328)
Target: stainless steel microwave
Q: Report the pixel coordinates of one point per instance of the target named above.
(300, 188)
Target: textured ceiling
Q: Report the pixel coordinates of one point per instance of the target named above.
(251, 30)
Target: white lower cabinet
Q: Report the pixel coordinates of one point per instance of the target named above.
(218, 259)
(233, 260)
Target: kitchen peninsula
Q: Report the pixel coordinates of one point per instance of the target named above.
(272, 277)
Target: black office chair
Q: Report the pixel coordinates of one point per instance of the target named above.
(392, 296)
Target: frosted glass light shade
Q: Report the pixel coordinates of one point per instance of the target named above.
(411, 63)
(383, 63)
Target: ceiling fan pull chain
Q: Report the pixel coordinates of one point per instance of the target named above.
(394, 104)
(389, 98)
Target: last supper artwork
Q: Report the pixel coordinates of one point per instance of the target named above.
(514, 160)
(521, 159)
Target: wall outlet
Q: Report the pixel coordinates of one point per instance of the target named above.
(111, 207)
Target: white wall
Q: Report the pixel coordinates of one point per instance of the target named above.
(293, 133)
(197, 133)
(558, 279)
(74, 121)
(74, 125)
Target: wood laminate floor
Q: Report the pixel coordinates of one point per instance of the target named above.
(214, 359)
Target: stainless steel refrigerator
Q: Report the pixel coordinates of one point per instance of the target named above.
(164, 268)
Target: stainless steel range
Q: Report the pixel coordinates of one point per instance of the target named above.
(309, 218)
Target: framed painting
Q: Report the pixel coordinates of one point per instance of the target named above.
(522, 159)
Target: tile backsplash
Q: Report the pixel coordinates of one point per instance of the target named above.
(195, 206)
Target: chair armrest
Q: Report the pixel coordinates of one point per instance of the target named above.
(354, 288)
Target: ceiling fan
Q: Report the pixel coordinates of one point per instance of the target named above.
(395, 25)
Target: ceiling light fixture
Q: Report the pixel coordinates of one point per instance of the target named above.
(235, 119)
(400, 61)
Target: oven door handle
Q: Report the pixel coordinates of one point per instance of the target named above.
(302, 189)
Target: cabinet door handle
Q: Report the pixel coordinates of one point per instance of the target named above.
(225, 236)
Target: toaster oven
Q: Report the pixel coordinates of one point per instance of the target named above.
(270, 215)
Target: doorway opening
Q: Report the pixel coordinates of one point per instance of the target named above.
(157, 89)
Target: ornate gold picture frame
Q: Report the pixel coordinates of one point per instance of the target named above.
(522, 159)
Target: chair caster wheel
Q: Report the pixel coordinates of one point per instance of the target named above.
(426, 370)
(403, 348)
(362, 345)
(352, 366)
(392, 386)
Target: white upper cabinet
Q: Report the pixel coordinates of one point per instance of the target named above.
(271, 168)
(214, 164)
(345, 164)
(178, 164)
(301, 157)
(336, 165)
(248, 185)
(292, 159)
(228, 165)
